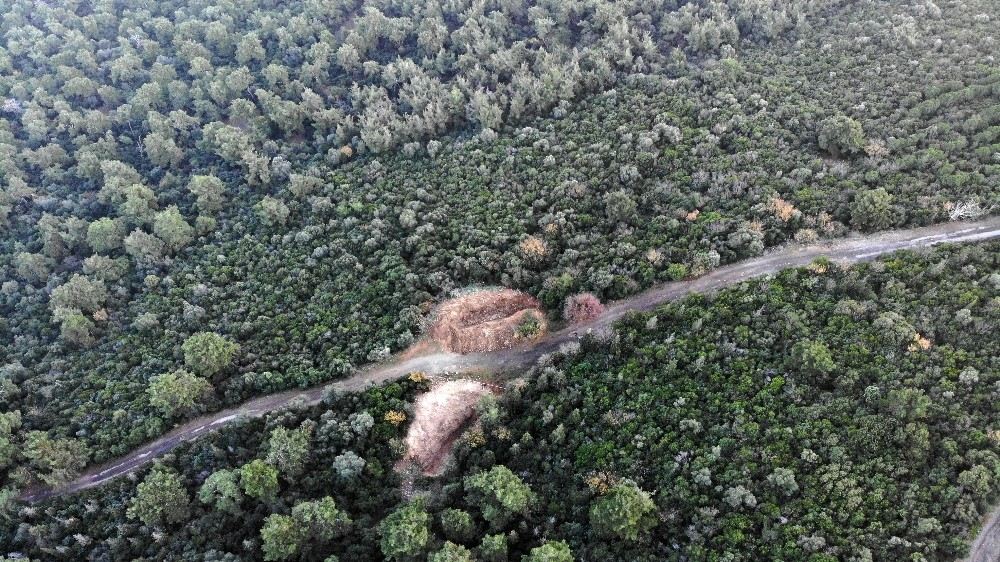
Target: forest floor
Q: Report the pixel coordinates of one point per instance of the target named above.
(520, 357)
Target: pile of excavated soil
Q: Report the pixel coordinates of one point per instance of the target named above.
(439, 416)
(484, 320)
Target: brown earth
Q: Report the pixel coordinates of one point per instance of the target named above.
(484, 321)
(439, 416)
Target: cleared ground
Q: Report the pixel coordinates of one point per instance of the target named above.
(439, 416)
(487, 320)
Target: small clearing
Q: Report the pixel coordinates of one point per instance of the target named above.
(488, 320)
(439, 416)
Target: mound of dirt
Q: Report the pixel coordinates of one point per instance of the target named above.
(439, 416)
(486, 321)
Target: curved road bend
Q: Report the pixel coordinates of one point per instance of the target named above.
(845, 250)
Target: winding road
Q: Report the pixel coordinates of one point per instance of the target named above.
(845, 250)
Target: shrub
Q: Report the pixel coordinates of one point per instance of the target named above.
(872, 210)
(529, 326)
(582, 308)
(841, 135)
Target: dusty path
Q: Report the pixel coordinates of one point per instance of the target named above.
(986, 547)
(846, 250)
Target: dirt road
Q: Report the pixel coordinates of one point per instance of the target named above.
(986, 547)
(846, 250)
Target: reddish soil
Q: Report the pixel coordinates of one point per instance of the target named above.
(439, 416)
(484, 321)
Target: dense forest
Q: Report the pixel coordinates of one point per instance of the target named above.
(205, 202)
(826, 414)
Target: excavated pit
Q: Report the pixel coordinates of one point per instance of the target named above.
(485, 321)
(439, 417)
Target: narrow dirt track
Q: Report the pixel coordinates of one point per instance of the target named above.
(986, 547)
(846, 250)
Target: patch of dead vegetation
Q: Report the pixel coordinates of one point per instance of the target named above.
(920, 343)
(485, 321)
(876, 149)
(439, 416)
(783, 210)
(534, 248)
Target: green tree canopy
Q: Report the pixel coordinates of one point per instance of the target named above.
(178, 392)
(160, 498)
(624, 512)
(500, 493)
(259, 479)
(208, 353)
(310, 523)
(841, 135)
(405, 532)
(105, 234)
(872, 210)
(814, 358)
(288, 449)
(280, 537)
(76, 328)
(145, 248)
(457, 525)
(81, 293)
(209, 192)
(272, 211)
(9, 451)
(57, 460)
(169, 225)
(33, 268)
(550, 552)
(493, 548)
(221, 489)
(321, 519)
(451, 552)
(893, 328)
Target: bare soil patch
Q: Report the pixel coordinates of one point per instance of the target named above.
(485, 321)
(439, 416)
